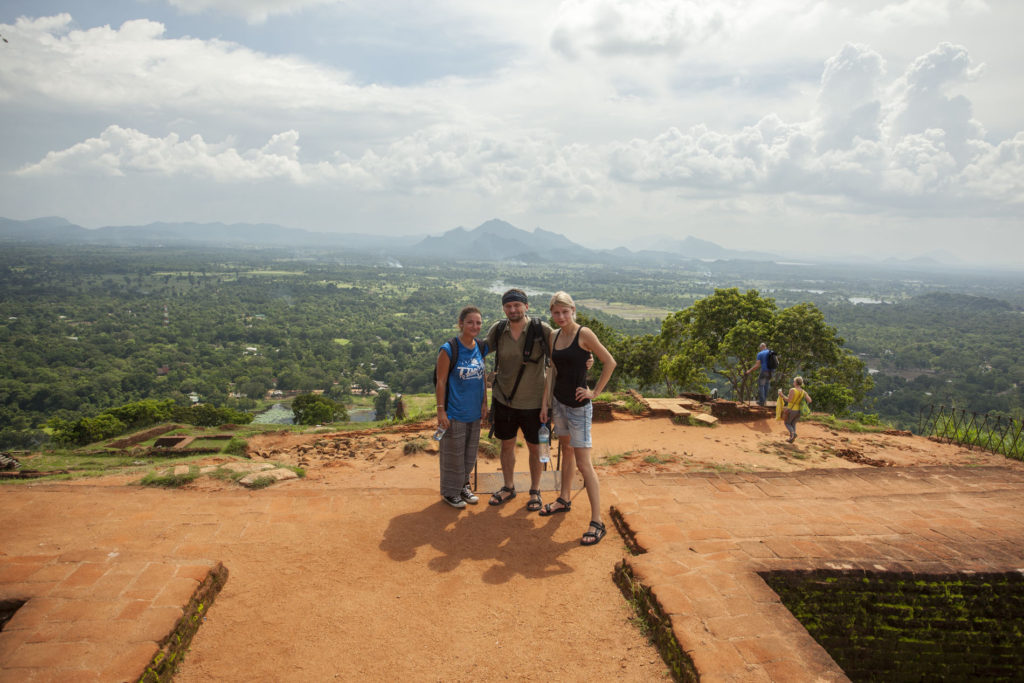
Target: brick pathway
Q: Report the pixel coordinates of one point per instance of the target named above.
(707, 536)
(89, 615)
(107, 587)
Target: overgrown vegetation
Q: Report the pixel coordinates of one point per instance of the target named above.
(86, 332)
(1002, 436)
(133, 416)
(859, 422)
(613, 459)
(171, 480)
(236, 446)
(634, 406)
(315, 409)
(414, 446)
(489, 447)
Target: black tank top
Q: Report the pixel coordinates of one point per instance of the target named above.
(571, 363)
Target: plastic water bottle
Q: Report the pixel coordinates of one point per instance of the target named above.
(439, 434)
(544, 441)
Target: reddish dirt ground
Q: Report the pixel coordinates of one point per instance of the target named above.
(359, 570)
(637, 444)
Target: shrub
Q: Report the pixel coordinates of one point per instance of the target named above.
(143, 413)
(489, 447)
(170, 480)
(86, 429)
(312, 409)
(236, 446)
(206, 415)
(634, 406)
(414, 446)
(832, 398)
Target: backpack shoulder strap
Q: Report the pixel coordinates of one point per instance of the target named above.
(535, 332)
(454, 342)
(453, 355)
(499, 331)
(543, 340)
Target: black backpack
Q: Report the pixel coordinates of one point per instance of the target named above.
(773, 360)
(534, 332)
(454, 345)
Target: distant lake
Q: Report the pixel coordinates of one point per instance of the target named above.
(277, 414)
(280, 414)
(366, 415)
(499, 287)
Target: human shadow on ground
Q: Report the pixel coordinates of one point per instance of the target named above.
(517, 542)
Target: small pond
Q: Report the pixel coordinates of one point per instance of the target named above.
(280, 414)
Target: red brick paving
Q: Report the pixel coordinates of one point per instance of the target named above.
(706, 545)
(90, 615)
(98, 612)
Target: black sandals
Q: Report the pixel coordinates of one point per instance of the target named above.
(498, 499)
(548, 510)
(594, 534)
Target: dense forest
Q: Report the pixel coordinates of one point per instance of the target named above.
(87, 329)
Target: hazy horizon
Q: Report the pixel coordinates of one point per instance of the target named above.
(804, 128)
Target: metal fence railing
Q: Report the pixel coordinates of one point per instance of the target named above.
(994, 433)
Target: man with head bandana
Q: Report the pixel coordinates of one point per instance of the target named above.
(517, 406)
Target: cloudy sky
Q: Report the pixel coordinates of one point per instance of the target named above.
(810, 127)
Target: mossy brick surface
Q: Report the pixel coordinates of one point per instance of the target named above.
(898, 627)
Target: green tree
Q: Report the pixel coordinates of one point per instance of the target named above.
(143, 413)
(207, 415)
(382, 404)
(638, 360)
(312, 409)
(716, 334)
(720, 334)
(841, 385)
(611, 340)
(86, 430)
(365, 384)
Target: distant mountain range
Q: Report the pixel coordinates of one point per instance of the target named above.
(494, 240)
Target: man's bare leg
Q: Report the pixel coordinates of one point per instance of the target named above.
(508, 471)
(535, 467)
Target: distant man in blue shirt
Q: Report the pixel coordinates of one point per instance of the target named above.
(764, 378)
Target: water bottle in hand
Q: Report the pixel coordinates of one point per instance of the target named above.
(544, 441)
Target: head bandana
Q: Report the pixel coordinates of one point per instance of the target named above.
(513, 295)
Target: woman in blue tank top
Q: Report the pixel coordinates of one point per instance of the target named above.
(571, 409)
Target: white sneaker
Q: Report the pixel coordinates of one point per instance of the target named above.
(454, 501)
(468, 495)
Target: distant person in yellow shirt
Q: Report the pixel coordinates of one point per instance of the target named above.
(796, 399)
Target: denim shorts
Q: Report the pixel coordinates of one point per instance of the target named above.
(573, 421)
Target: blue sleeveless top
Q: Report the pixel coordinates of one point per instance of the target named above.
(466, 382)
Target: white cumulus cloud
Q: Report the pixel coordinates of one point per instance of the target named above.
(122, 151)
(634, 27)
(932, 155)
(135, 65)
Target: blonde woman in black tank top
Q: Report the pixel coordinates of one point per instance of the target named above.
(570, 407)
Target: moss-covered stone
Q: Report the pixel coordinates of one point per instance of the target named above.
(903, 627)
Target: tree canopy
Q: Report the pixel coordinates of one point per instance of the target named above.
(720, 335)
(314, 409)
